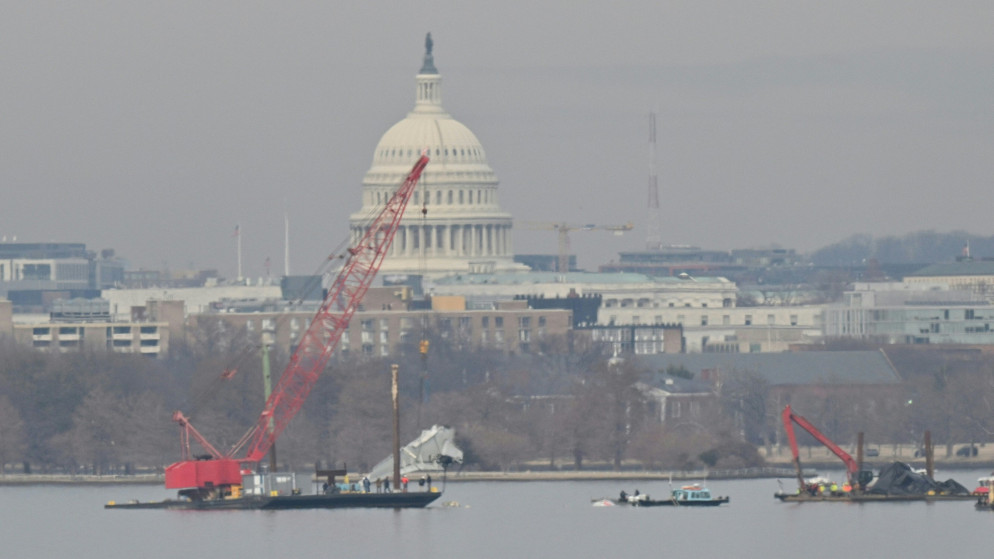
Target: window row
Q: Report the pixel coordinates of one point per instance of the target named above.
(451, 197)
(705, 320)
(80, 330)
(651, 303)
(469, 153)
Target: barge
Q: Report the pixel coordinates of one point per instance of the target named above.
(283, 502)
(896, 483)
(279, 491)
(870, 498)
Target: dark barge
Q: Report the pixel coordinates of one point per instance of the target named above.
(398, 500)
(279, 491)
(896, 483)
(870, 498)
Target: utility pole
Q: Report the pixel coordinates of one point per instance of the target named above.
(396, 426)
(238, 248)
(654, 236)
(286, 243)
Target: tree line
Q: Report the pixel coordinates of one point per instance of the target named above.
(568, 405)
(919, 247)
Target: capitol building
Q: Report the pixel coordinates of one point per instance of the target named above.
(453, 223)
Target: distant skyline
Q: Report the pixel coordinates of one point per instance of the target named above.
(155, 129)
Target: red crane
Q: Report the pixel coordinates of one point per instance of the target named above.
(200, 477)
(789, 418)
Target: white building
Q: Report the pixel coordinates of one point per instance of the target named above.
(196, 299)
(913, 312)
(47, 266)
(705, 308)
(975, 276)
(623, 293)
(464, 228)
(750, 329)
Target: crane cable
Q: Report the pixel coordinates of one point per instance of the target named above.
(250, 350)
(423, 272)
(314, 284)
(317, 281)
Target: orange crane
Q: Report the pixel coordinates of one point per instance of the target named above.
(563, 229)
(220, 471)
(856, 477)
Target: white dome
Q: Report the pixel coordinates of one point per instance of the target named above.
(451, 146)
(456, 155)
(461, 226)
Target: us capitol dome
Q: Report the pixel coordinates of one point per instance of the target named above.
(464, 229)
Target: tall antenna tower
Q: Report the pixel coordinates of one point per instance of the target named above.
(654, 236)
(286, 243)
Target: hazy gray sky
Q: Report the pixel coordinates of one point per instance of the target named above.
(154, 128)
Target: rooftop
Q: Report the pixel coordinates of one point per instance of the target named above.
(523, 278)
(960, 268)
(784, 369)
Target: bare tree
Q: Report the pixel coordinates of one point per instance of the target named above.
(651, 447)
(96, 433)
(607, 411)
(148, 436)
(745, 396)
(546, 427)
(12, 444)
(497, 448)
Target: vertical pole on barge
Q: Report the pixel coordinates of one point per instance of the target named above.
(929, 458)
(859, 451)
(396, 427)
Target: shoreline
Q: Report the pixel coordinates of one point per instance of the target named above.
(81, 479)
(778, 464)
(772, 471)
(458, 477)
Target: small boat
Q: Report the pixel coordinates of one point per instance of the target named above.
(983, 492)
(694, 495)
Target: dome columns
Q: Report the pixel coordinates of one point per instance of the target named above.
(453, 240)
(429, 91)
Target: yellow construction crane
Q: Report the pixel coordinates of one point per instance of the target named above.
(563, 229)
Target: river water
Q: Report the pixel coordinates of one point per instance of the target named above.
(494, 520)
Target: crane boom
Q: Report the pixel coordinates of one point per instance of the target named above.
(311, 355)
(331, 320)
(789, 418)
(562, 229)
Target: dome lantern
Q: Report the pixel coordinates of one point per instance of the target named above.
(429, 83)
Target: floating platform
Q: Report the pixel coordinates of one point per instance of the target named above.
(398, 500)
(869, 498)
